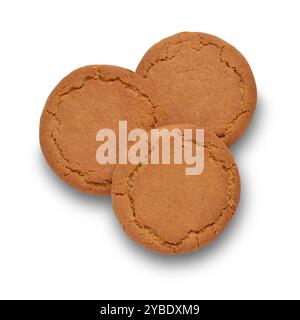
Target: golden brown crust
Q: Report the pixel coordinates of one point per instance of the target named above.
(87, 100)
(201, 79)
(169, 212)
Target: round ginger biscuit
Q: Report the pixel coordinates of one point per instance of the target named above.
(200, 79)
(169, 212)
(87, 100)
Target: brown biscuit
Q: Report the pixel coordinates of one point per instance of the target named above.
(169, 212)
(198, 78)
(87, 100)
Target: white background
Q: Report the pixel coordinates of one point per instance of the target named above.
(58, 243)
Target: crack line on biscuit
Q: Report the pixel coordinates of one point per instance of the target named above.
(104, 183)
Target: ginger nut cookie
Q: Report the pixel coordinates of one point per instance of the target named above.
(200, 79)
(88, 100)
(167, 211)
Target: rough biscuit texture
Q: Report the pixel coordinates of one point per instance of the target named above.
(198, 78)
(87, 100)
(169, 212)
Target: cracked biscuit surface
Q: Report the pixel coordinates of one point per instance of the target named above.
(87, 100)
(198, 78)
(169, 212)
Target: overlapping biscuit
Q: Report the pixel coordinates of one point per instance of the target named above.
(198, 78)
(169, 212)
(87, 100)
